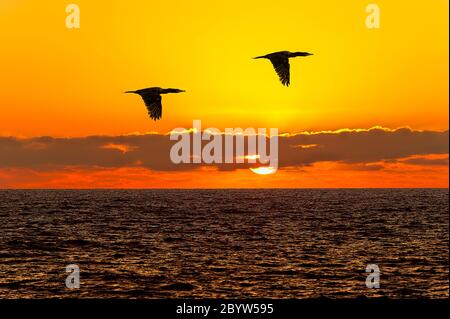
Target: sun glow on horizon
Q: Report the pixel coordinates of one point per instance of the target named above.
(264, 170)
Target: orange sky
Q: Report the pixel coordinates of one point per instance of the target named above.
(60, 82)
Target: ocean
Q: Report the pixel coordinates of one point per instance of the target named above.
(271, 243)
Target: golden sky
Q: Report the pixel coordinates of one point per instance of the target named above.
(69, 83)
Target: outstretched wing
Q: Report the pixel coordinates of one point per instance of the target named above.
(282, 67)
(154, 105)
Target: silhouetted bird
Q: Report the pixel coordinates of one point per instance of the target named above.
(152, 99)
(280, 61)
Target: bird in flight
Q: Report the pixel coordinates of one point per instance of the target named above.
(280, 61)
(152, 99)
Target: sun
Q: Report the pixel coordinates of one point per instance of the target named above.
(264, 170)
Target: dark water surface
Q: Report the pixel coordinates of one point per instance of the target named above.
(224, 243)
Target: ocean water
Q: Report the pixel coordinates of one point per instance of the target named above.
(224, 243)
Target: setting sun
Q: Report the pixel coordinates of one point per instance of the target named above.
(264, 170)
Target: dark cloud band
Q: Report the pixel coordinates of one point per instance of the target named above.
(152, 151)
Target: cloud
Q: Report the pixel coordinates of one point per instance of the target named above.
(362, 146)
(123, 148)
(366, 167)
(359, 148)
(423, 161)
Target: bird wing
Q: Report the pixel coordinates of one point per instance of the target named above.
(282, 67)
(154, 105)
